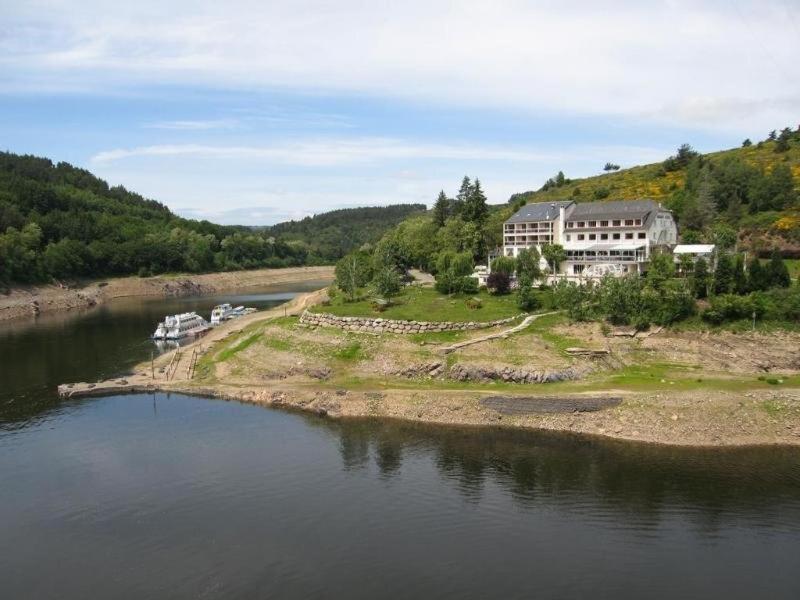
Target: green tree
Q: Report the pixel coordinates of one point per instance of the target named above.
(463, 195)
(660, 270)
(441, 209)
(554, 254)
(724, 236)
(387, 282)
(723, 275)
(66, 258)
(353, 272)
(747, 143)
(499, 282)
(475, 209)
(526, 297)
(452, 271)
(528, 265)
(777, 272)
(700, 278)
(757, 276)
(504, 264)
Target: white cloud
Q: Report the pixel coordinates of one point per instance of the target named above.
(699, 64)
(331, 152)
(194, 125)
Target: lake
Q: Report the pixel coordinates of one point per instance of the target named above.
(171, 496)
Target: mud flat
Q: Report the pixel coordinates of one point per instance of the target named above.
(35, 300)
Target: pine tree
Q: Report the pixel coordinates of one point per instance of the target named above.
(723, 275)
(441, 209)
(463, 194)
(475, 208)
(756, 276)
(700, 278)
(776, 272)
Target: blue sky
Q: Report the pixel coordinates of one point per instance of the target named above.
(257, 112)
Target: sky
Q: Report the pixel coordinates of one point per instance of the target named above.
(254, 111)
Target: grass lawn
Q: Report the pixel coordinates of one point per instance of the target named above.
(417, 303)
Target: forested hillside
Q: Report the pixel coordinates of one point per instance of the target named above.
(331, 235)
(58, 221)
(751, 191)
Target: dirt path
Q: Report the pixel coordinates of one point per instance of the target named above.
(493, 336)
(32, 301)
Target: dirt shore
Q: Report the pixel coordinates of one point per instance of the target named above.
(269, 360)
(35, 300)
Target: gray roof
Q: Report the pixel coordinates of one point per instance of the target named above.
(539, 211)
(615, 209)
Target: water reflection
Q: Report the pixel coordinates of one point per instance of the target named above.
(641, 478)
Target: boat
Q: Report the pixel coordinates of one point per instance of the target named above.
(175, 327)
(220, 313)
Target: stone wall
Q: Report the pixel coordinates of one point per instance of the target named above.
(377, 325)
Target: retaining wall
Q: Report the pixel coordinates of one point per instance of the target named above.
(377, 325)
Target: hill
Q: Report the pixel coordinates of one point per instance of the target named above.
(752, 189)
(331, 235)
(58, 221)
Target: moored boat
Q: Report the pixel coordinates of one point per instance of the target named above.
(220, 313)
(175, 327)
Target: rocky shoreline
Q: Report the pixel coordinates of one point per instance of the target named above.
(27, 302)
(275, 372)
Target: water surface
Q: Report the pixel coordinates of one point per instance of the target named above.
(157, 496)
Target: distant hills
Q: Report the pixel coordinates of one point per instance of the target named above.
(59, 221)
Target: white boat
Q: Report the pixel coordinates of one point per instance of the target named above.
(221, 312)
(175, 327)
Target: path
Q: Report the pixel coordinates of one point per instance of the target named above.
(500, 334)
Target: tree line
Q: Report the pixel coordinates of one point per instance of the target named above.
(58, 221)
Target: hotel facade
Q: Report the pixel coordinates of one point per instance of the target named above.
(616, 237)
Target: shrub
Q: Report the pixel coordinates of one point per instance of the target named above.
(526, 297)
(498, 282)
(474, 303)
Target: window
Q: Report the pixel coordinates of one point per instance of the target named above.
(638, 221)
(577, 269)
(580, 237)
(616, 236)
(569, 238)
(628, 222)
(642, 235)
(616, 223)
(570, 225)
(603, 236)
(628, 236)
(603, 223)
(592, 236)
(592, 223)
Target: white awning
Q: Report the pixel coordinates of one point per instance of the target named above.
(693, 249)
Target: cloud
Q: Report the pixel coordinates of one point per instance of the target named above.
(640, 60)
(193, 125)
(332, 152)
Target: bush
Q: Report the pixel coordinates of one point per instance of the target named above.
(387, 282)
(498, 282)
(526, 297)
(474, 303)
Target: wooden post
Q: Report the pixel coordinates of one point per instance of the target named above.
(152, 366)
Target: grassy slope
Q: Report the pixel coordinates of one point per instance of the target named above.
(644, 182)
(416, 303)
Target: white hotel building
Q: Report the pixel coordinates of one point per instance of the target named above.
(599, 237)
